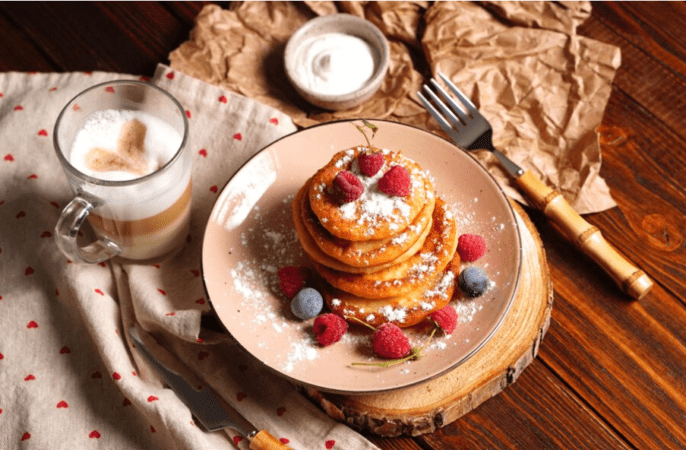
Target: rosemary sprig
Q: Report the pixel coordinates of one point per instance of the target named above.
(355, 319)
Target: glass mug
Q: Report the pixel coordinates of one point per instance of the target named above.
(124, 147)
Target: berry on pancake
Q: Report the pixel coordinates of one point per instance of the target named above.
(347, 187)
(396, 182)
(370, 163)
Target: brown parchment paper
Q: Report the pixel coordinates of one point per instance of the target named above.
(543, 87)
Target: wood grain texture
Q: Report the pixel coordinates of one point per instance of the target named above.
(535, 412)
(86, 36)
(265, 441)
(651, 73)
(650, 222)
(431, 405)
(610, 373)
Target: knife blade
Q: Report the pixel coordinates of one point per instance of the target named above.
(210, 409)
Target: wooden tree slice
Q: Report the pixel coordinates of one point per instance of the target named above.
(425, 407)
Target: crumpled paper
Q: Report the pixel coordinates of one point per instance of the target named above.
(543, 87)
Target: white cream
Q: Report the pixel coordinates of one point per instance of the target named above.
(101, 129)
(335, 63)
(139, 200)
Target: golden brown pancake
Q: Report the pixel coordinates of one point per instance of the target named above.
(374, 215)
(380, 258)
(372, 252)
(416, 273)
(317, 255)
(405, 310)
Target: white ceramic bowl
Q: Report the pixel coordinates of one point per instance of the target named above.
(344, 24)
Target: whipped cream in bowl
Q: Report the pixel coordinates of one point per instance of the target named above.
(337, 61)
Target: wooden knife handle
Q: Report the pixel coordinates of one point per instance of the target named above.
(265, 441)
(585, 236)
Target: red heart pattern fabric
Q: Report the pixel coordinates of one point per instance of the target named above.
(65, 339)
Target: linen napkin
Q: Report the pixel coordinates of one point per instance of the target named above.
(542, 86)
(69, 375)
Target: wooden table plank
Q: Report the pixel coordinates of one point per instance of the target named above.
(399, 443)
(538, 411)
(651, 26)
(647, 75)
(151, 27)
(610, 371)
(186, 12)
(650, 227)
(617, 357)
(89, 36)
(643, 128)
(18, 52)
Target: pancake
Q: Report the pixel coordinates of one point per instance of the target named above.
(374, 215)
(318, 256)
(405, 311)
(372, 252)
(416, 273)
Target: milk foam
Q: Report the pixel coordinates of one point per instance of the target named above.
(150, 196)
(101, 130)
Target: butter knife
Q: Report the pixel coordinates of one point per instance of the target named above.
(209, 409)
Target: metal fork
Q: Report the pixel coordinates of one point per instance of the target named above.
(470, 130)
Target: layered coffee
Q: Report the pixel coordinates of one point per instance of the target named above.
(146, 216)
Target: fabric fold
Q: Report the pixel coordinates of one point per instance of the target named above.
(70, 376)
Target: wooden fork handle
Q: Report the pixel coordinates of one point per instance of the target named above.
(265, 441)
(585, 236)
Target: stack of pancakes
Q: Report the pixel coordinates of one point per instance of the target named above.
(381, 258)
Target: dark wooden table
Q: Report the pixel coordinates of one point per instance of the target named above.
(611, 372)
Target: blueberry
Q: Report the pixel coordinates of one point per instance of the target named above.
(473, 281)
(307, 303)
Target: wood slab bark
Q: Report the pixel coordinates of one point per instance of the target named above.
(431, 405)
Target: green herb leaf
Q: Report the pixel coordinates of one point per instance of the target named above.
(371, 126)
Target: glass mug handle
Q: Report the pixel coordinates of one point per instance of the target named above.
(67, 231)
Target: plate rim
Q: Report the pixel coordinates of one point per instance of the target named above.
(438, 374)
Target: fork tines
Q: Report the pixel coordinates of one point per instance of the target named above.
(459, 121)
(451, 117)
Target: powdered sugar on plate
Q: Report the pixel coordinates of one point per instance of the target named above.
(272, 241)
(243, 250)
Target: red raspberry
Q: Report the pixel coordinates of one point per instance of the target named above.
(347, 187)
(389, 341)
(396, 182)
(370, 163)
(292, 279)
(329, 328)
(471, 247)
(446, 318)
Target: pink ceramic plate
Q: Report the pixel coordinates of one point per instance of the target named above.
(250, 235)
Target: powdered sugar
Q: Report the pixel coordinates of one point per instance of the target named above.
(271, 243)
(374, 207)
(441, 289)
(394, 314)
(304, 350)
